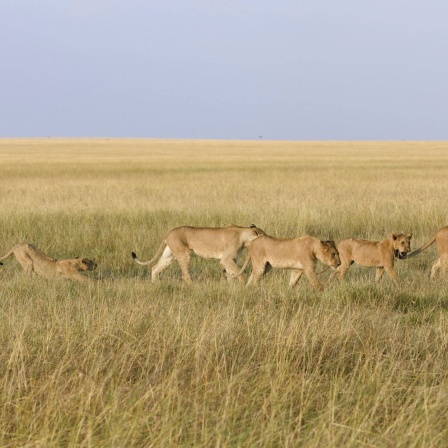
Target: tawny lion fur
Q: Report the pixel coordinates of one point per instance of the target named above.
(298, 254)
(34, 261)
(441, 240)
(221, 243)
(379, 254)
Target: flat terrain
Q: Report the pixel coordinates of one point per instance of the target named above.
(121, 362)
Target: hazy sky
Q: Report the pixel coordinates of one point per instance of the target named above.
(230, 69)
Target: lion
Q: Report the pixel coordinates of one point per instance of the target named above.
(441, 240)
(379, 254)
(221, 243)
(298, 254)
(34, 261)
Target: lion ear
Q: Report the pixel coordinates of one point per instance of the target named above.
(409, 235)
(394, 236)
(252, 226)
(325, 244)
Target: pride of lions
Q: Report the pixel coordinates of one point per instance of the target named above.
(264, 252)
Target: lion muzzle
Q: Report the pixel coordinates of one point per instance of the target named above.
(401, 255)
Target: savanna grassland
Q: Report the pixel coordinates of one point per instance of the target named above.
(122, 362)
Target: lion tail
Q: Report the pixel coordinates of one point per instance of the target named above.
(9, 254)
(243, 268)
(421, 249)
(159, 252)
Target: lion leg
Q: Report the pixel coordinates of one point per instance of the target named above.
(392, 274)
(435, 267)
(184, 263)
(254, 278)
(379, 274)
(28, 265)
(232, 268)
(342, 270)
(258, 270)
(164, 261)
(444, 262)
(312, 277)
(26, 262)
(296, 274)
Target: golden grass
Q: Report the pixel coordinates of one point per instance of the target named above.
(121, 362)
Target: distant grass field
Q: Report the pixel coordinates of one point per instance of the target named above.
(120, 362)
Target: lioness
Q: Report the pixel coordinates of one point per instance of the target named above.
(374, 254)
(224, 244)
(441, 240)
(34, 261)
(298, 254)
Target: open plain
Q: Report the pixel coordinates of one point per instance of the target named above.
(120, 362)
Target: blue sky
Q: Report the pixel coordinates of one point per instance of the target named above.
(234, 69)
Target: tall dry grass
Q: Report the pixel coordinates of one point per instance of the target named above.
(121, 362)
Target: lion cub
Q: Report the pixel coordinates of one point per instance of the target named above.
(379, 254)
(298, 254)
(34, 261)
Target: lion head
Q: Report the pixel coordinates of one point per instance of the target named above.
(329, 254)
(255, 232)
(402, 244)
(84, 264)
